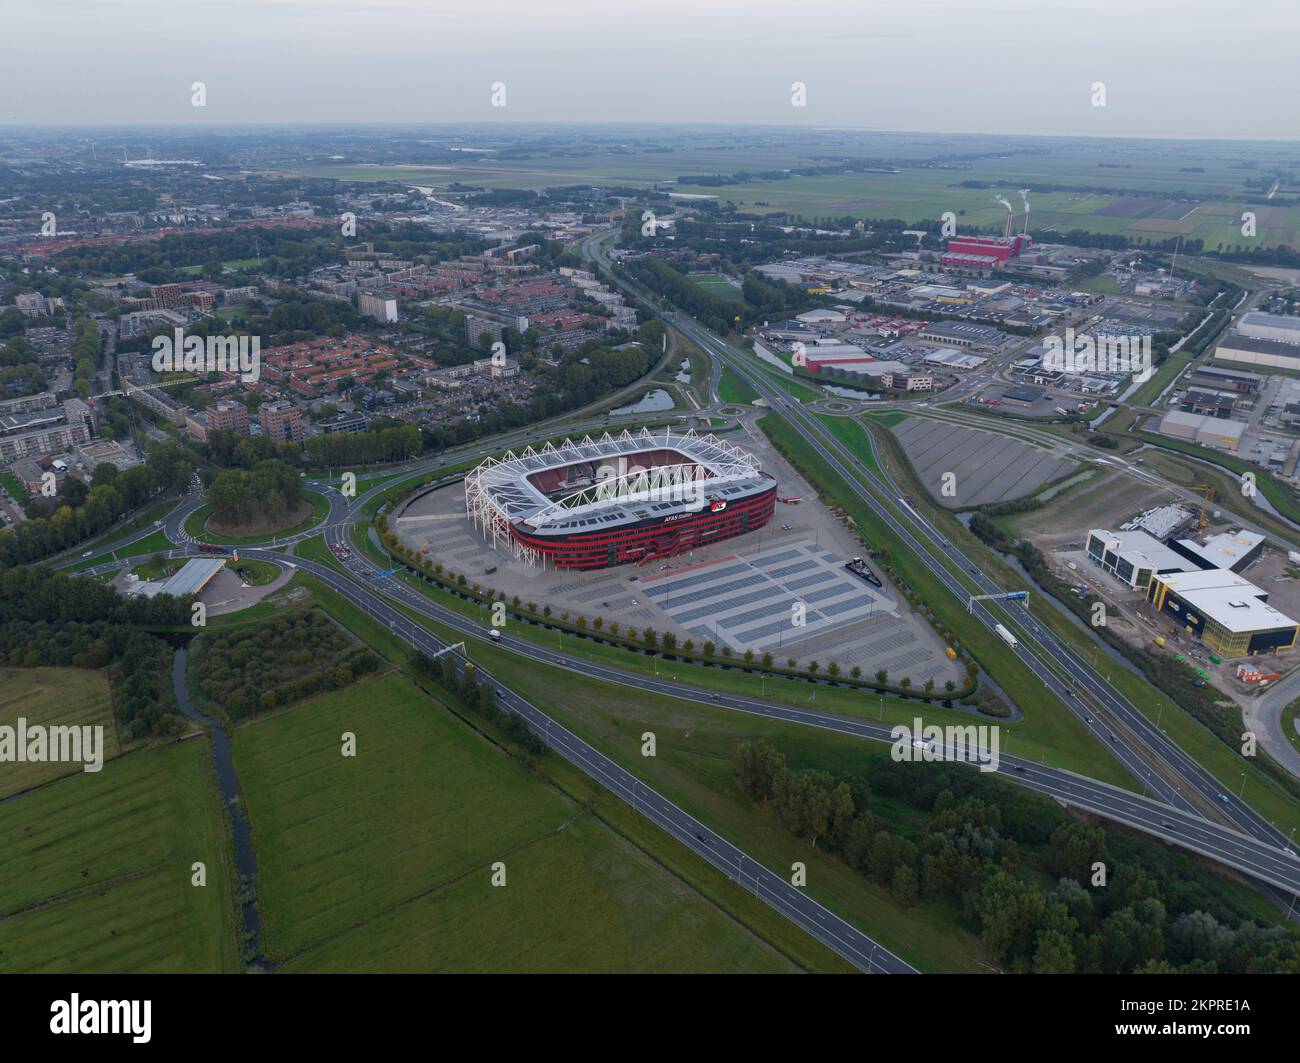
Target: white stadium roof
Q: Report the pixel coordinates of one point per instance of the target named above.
(500, 490)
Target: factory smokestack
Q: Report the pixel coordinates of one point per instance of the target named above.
(1006, 229)
(1024, 194)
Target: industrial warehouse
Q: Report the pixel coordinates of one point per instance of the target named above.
(1198, 586)
(620, 499)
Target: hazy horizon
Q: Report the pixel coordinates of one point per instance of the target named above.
(1171, 70)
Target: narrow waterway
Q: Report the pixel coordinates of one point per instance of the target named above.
(241, 832)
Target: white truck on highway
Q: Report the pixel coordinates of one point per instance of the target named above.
(1006, 636)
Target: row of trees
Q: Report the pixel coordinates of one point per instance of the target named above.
(231, 449)
(478, 697)
(1119, 904)
(361, 448)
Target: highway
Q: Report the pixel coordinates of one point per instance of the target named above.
(773, 889)
(1175, 811)
(360, 587)
(1139, 745)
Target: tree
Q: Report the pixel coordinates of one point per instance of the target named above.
(1054, 953)
(882, 675)
(757, 766)
(817, 809)
(904, 886)
(1074, 848)
(842, 814)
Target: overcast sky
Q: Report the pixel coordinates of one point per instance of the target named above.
(1185, 68)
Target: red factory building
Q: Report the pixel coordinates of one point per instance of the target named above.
(983, 252)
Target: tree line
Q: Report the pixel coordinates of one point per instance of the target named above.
(51, 620)
(1046, 894)
(479, 697)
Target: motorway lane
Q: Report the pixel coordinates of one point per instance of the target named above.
(1184, 827)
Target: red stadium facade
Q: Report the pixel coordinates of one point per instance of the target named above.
(664, 536)
(619, 500)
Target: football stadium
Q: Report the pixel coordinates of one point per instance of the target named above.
(625, 499)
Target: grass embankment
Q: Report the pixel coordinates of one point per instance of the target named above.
(733, 388)
(154, 543)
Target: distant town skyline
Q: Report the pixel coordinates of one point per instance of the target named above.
(1014, 67)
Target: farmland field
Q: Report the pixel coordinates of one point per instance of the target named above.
(70, 697)
(383, 861)
(97, 870)
(1150, 190)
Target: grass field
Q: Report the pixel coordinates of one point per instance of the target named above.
(16, 490)
(67, 697)
(154, 543)
(717, 285)
(97, 870)
(383, 862)
(693, 767)
(733, 388)
(254, 573)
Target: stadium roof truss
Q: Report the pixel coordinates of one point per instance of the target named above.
(499, 494)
